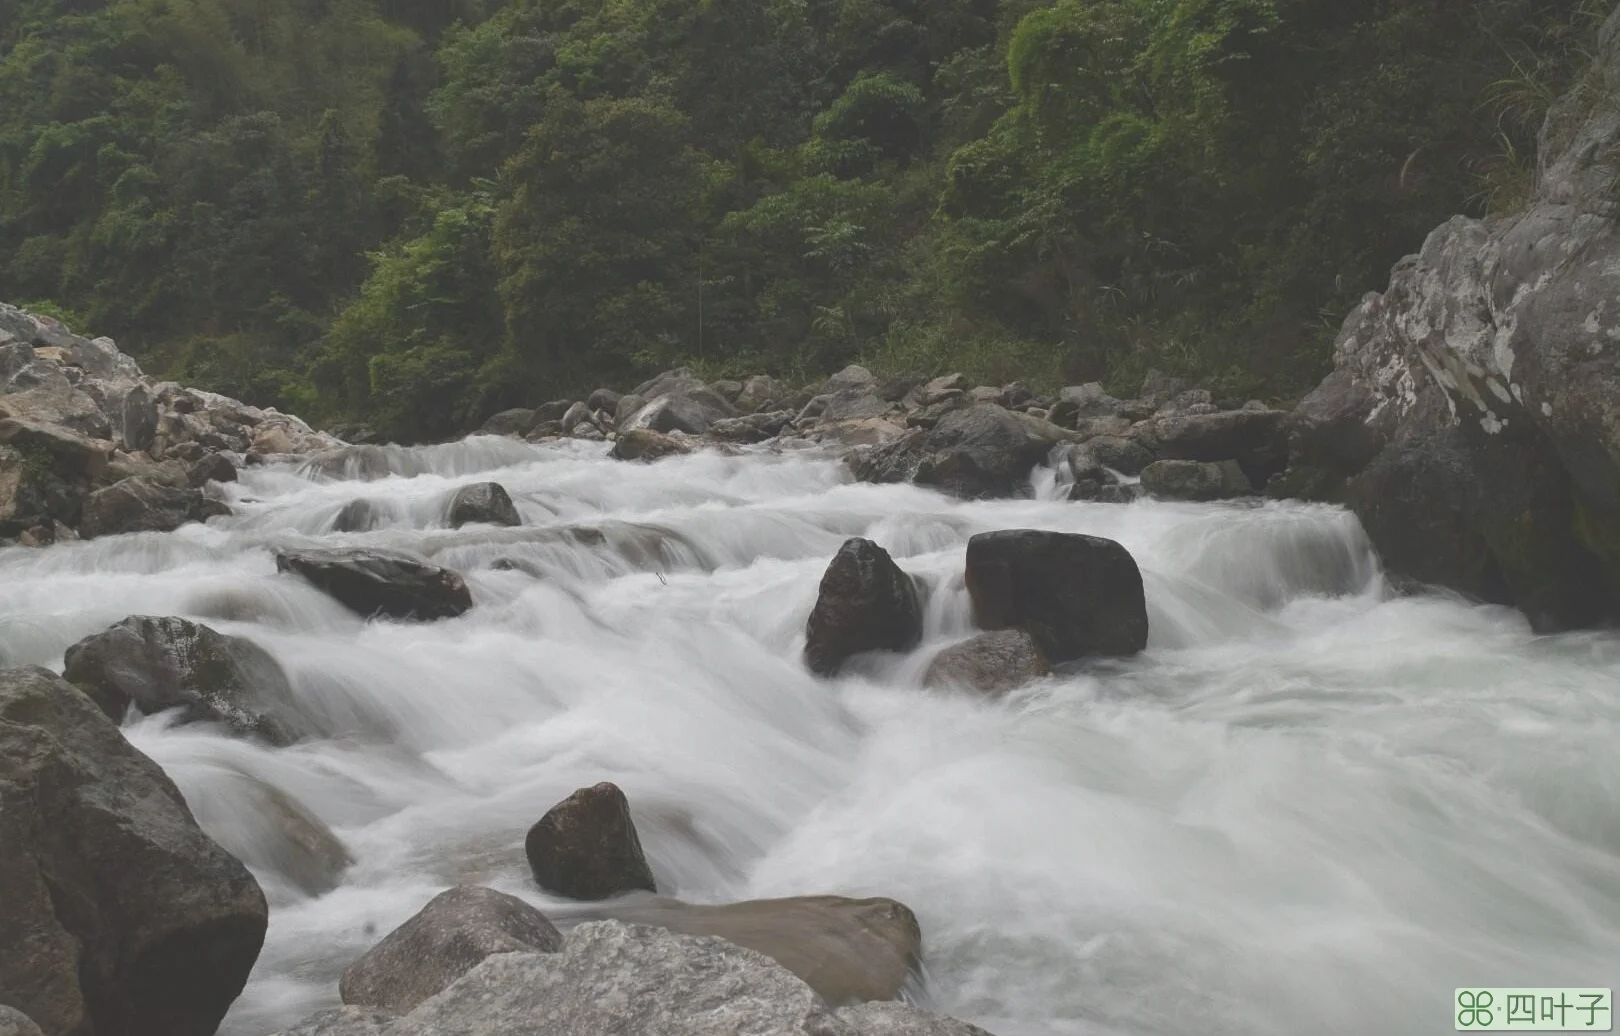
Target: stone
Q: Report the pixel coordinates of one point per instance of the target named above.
(373, 581)
(121, 916)
(512, 422)
(943, 387)
(66, 452)
(887, 1018)
(268, 829)
(456, 931)
(141, 504)
(1253, 438)
(984, 451)
(751, 427)
(344, 1021)
(1124, 455)
(626, 407)
(865, 603)
(485, 503)
(576, 415)
(358, 515)
(670, 413)
(14, 1023)
(853, 376)
(1077, 595)
(992, 663)
(1098, 492)
(552, 411)
(1089, 400)
(603, 399)
(728, 389)
(586, 847)
(1195, 480)
(161, 663)
(646, 445)
(139, 418)
(759, 392)
(215, 467)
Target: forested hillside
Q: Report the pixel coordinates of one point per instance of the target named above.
(414, 213)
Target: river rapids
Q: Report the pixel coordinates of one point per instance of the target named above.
(1312, 806)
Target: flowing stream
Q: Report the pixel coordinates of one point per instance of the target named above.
(1310, 807)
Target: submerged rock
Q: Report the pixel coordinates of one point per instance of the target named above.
(165, 663)
(1076, 595)
(443, 941)
(586, 847)
(485, 503)
(358, 515)
(121, 916)
(373, 581)
(993, 663)
(866, 603)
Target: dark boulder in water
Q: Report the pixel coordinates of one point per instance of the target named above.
(373, 581)
(586, 847)
(485, 503)
(866, 603)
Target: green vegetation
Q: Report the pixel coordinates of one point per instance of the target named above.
(414, 213)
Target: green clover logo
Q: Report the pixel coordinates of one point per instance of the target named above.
(1476, 1008)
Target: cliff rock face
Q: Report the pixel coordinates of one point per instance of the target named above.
(1472, 419)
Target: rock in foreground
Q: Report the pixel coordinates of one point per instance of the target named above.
(615, 979)
(486, 503)
(442, 942)
(992, 663)
(170, 663)
(373, 581)
(1076, 595)
(866, 603)
(118, 916)
(586, 847)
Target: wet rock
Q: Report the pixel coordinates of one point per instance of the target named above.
(1105, 492)
(1124, 455)
(443, 941)
(674, 414)
(984, 451)
(993, 663)
(586, 847)
(552, 411)
(121, 916)
(140, 418)
(646, 444)
(485, 503)
(847, 950)
(576, 415)
(372, 581)
(1254, 438)
(351, 463)
(626, 407)
(268, 829)
(512, 422)
(603, 399)
(1077, 595)
(866, 603)
(140, 504)
(751, 427)
(358, 515)
(215, 467)
(14, 1023)
(1195, 480)
(759, 392)
(162, 663)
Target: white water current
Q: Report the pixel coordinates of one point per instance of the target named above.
(1310, 807)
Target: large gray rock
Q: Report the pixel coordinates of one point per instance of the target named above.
(512, 422)
(442, 942)
(758, 392)
(45, 475)
(1195, 480)
(486, 503)
(991, 663)
(975, 452)
(165, 663)
(375, 581)
(674, 414)
(1076, 595)
(139, 418)
(586, 847)
(866, 603)
(1471, 420)
(646, 445)
(14, 1023)
(141, 504)
(118, 916)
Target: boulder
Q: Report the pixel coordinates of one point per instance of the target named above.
(552, 411)
(992, 663)
(485, 503)
(442, 942)
(728, 389)
(14, 1023)
(66, 453)
(121, 917)
(1124, 455)
(577, 414)
(943, 387)
(141, 504)
(373, 581)
(1254, 438)
(215, 467)
(1195, 480)
(850, 404)
(512, 422)
(751, 427)
(866, 603)
(157, 664)
(853, 376)
(976, 452)
(646, 444)
(847, 950)
(673, 414)
(139, 418)
(603, 400)
(358, 515)
(1077, 595)
(268, 829)
(626, 407)
(759, 392)
(586, 847)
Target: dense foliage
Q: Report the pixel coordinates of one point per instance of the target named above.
(412, 212)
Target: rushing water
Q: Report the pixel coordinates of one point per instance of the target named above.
(1309, 807)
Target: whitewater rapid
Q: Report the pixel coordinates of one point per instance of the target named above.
(1310, 807)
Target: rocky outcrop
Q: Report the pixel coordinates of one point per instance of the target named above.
(118, 916)
(1077, 595)
(139, 504)
(485, 503)
(991, 663)
(157, 664)
(865, 603)
(442, 942)
(373, 581)
(615, 978)
(1470, 420)
(586, 847)
(1195, 480)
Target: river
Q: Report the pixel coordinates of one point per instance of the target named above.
(1312, 806)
